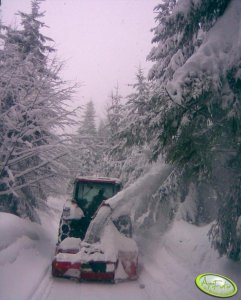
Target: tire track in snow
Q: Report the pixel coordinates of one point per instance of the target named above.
(63, 289)
(42, 290)
(158, 277)
(151, 285)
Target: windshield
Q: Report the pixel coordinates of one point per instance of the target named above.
(87, 193)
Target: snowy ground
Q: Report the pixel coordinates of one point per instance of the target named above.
(169, 264)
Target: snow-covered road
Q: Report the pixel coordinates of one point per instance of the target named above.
(62, 289)
(169, 264)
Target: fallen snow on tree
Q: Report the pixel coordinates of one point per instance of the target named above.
(184, 7)
(220, 50)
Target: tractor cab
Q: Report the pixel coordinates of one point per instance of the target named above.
(90, 192)
(88, 195)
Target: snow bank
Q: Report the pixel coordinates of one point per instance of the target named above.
(25, 251)
(171, 263)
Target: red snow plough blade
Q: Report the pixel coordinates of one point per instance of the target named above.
(74, 264)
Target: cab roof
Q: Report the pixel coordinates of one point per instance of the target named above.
(97, 179)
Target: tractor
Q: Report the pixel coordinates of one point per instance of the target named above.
(92, 245)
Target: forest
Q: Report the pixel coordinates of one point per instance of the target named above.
(185, 113)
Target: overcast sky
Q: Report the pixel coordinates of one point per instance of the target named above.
(102, 41)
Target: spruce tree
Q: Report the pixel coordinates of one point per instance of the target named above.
(114, 117)
(88, 123)
(114, 113)
(194, 112)
(32, 106)
(31, 41)
(103, 140)
(133, 123)
(86, 142)
(131, 132)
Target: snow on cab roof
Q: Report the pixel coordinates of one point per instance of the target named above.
(98, 179)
